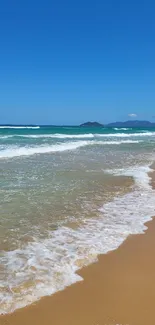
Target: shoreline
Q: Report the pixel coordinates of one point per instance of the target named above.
(117, 289)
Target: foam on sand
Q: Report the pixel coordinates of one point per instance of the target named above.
(43, 267)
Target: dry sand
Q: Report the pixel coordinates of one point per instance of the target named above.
(118, 289)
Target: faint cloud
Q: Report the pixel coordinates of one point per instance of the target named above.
(132, 115)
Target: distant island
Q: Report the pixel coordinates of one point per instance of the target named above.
(92, 124)
(126, 124)
(131, 124)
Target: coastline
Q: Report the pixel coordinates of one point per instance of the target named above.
(118, 289)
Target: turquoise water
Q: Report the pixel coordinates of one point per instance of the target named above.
(20, 141)
(67, 194)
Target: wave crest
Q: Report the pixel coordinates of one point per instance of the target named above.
(12, 151)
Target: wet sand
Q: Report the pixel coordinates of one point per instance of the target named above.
(118, 289)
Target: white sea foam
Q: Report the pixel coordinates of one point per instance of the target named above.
(140, 174)
(124, 135)
(14, 151)
(58, 136)
(50, 265)
(79, 136)
(88, 135)
(122, 129)
(18, 127)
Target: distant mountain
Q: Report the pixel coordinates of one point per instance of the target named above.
(91, 124)
(132, 124)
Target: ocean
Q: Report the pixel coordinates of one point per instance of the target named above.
(67, 194)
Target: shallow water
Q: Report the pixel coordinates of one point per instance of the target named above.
(66, 195)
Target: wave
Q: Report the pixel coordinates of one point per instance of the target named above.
(122, 129)
(124, 135)
(139, 174)
(19, 127)
(57, 136)
(79, 136)
(12, 151)
(52, 263)
(28, 151)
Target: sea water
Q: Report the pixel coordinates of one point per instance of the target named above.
(67, 194)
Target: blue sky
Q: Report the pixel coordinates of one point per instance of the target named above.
(66, 62)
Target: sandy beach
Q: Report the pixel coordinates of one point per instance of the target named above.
(118, 289)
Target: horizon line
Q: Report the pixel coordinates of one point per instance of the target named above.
(72, 125)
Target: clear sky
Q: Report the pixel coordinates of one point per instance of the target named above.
(66, 62)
